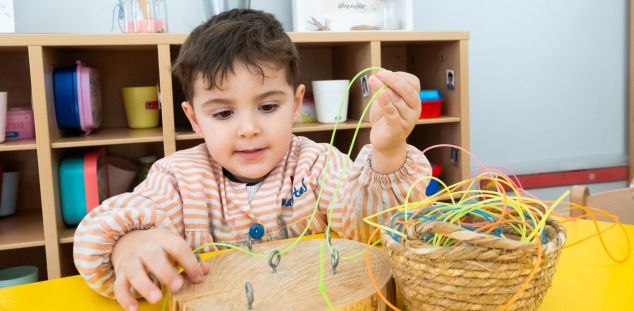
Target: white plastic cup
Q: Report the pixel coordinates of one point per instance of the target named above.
(8, 201)
(328, 96)
(3, 115)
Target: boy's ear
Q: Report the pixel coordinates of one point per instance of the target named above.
(299, 97)
(188, 109)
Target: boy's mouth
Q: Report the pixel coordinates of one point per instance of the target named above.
(250, 154)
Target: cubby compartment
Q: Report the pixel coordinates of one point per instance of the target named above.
(30, 256)
(15, 79)
(21, 189)
(67, 264)
(181, 124)
(431, 62)
(453, 161)
(336, 61)
(117, 67)
(133, 154)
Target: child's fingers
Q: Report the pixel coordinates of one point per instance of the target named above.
(164, 271)
(401, 86)
(180, 251)
(410, 78)
(390, 113)
(406, 111)
(123, 295)
(206, 267)
(142, 283)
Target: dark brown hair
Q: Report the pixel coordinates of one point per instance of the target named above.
(245, 36)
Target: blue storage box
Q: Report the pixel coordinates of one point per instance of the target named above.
(432, 188)
(77, 98)
(434, 185)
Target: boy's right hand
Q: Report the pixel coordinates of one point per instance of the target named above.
(154, 251)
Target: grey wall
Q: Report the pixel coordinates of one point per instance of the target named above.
(547, 78)
(95, 16)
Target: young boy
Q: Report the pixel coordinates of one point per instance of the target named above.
(252, 176)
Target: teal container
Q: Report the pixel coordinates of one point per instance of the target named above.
(72, 189)
(18, 275)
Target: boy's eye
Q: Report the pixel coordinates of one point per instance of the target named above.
(223, 114)
(269, 107)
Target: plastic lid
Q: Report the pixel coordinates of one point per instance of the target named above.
(430, 95)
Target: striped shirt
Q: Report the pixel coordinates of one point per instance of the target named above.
(188, 193)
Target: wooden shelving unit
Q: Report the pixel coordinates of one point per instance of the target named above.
(27, 63)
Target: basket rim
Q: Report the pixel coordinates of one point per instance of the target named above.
(484, 240)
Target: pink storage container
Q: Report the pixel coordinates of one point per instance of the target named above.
(89, 98)
(20, 124)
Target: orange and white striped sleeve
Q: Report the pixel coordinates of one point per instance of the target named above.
(156, 202)
(364, 192)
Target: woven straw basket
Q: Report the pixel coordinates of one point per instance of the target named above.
(482, 273)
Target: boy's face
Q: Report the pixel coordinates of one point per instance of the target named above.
(247, 123)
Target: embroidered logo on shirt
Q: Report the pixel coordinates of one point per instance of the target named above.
(296, 193)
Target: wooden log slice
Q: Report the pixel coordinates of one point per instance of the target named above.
(295, 285)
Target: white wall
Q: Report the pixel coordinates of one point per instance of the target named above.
(548, 79)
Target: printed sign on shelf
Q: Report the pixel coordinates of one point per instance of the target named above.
(7, 18)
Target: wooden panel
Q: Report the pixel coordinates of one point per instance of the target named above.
(24, 162)
(348, 60)
(17, 145)
(40, 65)
(429, 63)
(119, 41)
(117, 136)
(67, 235)
(423, 137)
(167, 101)
(320, 127)
(135, 151)
(67, 264)
(48, 100)
(463, 103)
(315, 64)
(24, 229)
(394, 57)
(14, 77)
(351, 36)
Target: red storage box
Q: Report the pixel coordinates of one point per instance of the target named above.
(430, 108)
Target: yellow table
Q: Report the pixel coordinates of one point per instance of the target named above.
(586, 279)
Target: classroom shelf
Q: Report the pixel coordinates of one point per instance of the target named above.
(27, 64)
(67, 236)
(321, 127)
(17, 145)
(111, 137)
(21, 230)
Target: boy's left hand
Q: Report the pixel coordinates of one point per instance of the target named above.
(396, 110)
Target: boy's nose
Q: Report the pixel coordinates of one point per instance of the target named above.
(248, 127)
